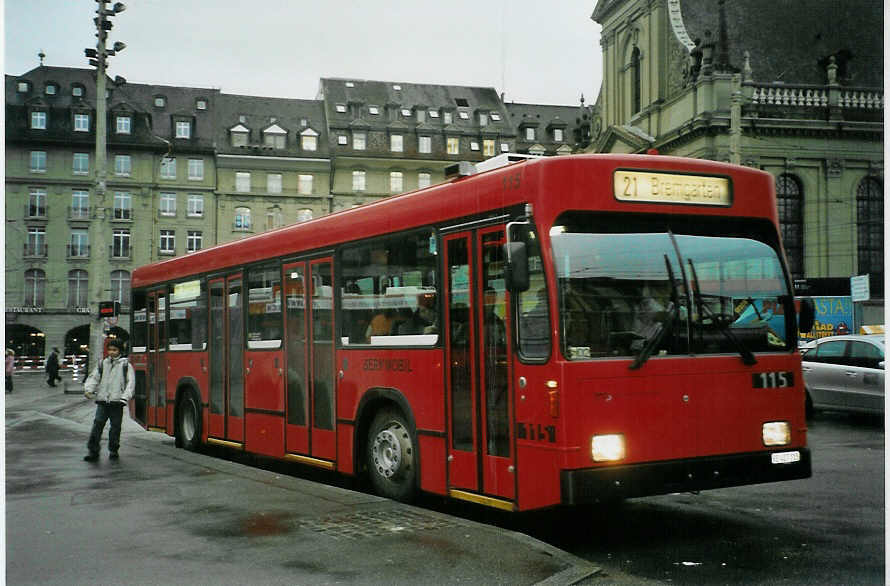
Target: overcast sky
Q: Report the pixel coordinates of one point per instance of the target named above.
(536, 51)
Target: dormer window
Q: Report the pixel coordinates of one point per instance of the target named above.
(200, 104)
(23, 87)
(495, 117)
(447, 117)
(483, 119)
(309, 140)
(434, 113)
(275, 137)
(77, 90)
(464, 115)
(183, 129)
(341, 108)
(397, 87)
(160, 101)
(350, 84)
(51, 89)
(558, 135)
(406, 112)
(123, 124)
(239, 135)
(373, 110)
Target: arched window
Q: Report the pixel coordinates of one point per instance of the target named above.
(304, 214)
(789, 196)
(242, 218)
(120, 287)
(870, 231)
(77, 288)
(35, 288)
(636, 82)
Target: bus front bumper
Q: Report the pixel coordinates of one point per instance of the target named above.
(593, 485)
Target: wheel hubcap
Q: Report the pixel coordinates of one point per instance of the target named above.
(388, 451)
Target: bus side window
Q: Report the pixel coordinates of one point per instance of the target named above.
(264, 326)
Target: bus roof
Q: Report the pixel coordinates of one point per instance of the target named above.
(552, 184)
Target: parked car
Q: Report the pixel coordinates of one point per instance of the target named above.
(845, 373)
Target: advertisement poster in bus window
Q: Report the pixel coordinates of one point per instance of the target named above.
(834, 317)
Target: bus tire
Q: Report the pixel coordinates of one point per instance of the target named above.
(188, 423)
(391, 456)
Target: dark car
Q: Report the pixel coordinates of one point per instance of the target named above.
(845, 373)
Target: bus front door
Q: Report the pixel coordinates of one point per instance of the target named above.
(480, 407)
(310, 436)
(226, 419)
(156, 413)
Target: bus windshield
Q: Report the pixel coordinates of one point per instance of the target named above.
(639, 293)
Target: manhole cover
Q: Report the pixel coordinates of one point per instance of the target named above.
(374, 524)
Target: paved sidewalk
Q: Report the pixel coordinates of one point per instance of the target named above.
(162, 515)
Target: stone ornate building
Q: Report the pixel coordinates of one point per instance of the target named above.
(792, 88)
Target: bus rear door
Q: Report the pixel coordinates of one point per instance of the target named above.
(156, 412)
(481, 452)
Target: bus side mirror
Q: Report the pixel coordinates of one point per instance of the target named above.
(516, 275)
(807, 316)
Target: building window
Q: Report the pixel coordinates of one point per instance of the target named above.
(434, 113)
(120, 287)
(273, 182)
(557, 135)
(81, 164)
(239, 136)
(359, 140)
(304, 186)
(396, 143)
(453, 146)
(123, 206)
(78, 280)
(36, 245)
(495, 117)
(168, 204)
(636, 87)
(242, 182)
(194, 241)
(870, 231)
(196, 169)
(79, 246)
(373, 110)
(341, 108)
(421, 115)
(38, 120)
(396, 182)
(123, 165)
(474, 145)
(505, 147)
(447, 117)
(304, 215)
(342, 139)
(77, 91)
(195, 205)
(274, 218)
(81, 123)
(200, 104)
(789, 199)
(23, 87)
(529, 133)
(168, 168)
(120, 244)
(425, 144)
(488, 147)
(183, 129)
(358, 180)
(242, 218)
(483, 119)
(406, 112)
(168, 242)
(38, 161)
(160, 101)
(35, 287)
(463, 114)
(123, 124)
(424, 180)
(80, 204)
(309, 140)
(37, 202)
(275, 137)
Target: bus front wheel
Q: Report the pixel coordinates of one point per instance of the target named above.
(189, 422)
(391, 456)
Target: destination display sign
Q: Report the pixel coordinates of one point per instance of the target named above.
(652, 187)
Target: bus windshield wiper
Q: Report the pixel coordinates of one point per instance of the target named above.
(722, 325)
(664, 328)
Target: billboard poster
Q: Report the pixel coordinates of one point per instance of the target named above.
(834, 317)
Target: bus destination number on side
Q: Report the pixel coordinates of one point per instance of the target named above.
(773, 380)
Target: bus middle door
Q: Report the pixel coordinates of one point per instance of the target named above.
(156, 412)
(481, 451)
(226, 418)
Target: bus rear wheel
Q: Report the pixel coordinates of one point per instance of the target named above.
(188, 433)
(391, 456)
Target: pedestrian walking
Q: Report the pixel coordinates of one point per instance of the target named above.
(52, 368)
(10, 368)
(111, 386)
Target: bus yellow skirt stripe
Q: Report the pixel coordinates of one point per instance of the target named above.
(482, 500)
(228, 444)
(310, 461)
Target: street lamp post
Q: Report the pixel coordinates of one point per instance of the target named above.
(98, 274)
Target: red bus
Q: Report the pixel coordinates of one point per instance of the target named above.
(560, 330)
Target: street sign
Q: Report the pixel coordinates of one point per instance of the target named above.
(859, 290)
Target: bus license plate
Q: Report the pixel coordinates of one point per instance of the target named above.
(785, 457)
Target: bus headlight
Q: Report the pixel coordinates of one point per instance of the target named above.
(776, 433)
(607, 448)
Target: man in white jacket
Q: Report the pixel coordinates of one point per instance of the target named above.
(111, 385)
